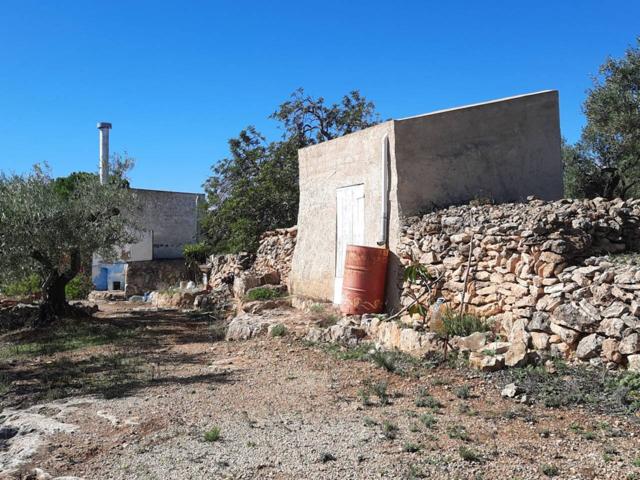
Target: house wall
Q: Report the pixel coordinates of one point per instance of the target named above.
(503, 150)
(349, 160)
(172, 217)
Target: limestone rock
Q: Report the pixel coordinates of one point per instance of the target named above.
(589, 347)
(612, 327)
(510, 391)
(630, 344)
(247, 326)
(576, 318)
(610, 350)
(633, 363)
(567, 335)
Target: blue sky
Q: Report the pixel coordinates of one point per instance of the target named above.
(177, 79)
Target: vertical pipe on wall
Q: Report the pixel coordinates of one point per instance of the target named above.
(384, 197)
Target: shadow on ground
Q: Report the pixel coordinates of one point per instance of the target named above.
(110, 357)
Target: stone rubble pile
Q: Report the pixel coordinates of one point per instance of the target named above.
(539, 273)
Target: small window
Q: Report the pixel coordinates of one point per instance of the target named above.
(116, 286)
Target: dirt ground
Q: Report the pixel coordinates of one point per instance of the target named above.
(147, 392)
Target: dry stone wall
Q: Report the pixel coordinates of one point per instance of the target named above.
(270, 265)
(275, 252)
(541, 271)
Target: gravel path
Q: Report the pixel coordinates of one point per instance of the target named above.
(288, 410)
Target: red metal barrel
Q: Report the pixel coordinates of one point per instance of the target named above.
(365, 273)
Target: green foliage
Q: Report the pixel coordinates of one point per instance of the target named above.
(79, 287)
(425, 400)
(384, 360)
(50, 227)
(458, 432)
(212, 435)
(549, 470)
(411, 447)
(27, 286)
(469, 455)
(456, 324)
(278, 330)
(417, 274)
(606, 160)
(428, 420)
(599, 390)
(255, 189)
(389, 430)
(196, 254)
(463, 392)
(262, 293)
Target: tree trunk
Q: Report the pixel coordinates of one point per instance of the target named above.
(54, 299)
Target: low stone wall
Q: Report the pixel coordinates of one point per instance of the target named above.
(275, 252)
(538, 272)
(270, 265)
(152, 275)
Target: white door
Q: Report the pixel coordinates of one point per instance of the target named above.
(349, 229)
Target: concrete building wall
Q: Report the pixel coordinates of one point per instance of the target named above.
(172, 217)
(349, 160)
(503, 150)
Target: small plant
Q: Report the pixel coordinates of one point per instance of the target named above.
(636, 462)
(463, 392)
(469, 455)
(389, 430)
(212, 435)
(278, 330)
(458, 432)
(365, 397)
(428, 420)
(454, 324)
(369, 422)
(424, 400)
(327, 457)
(380, 389)
(384, 360)
(217, 331)
(262, 293)
(549, 470)
(410, 447)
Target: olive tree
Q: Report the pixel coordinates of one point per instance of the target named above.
(49, 226)
(606, 160)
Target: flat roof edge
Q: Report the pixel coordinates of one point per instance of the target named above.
(165, 191)
(479, 104)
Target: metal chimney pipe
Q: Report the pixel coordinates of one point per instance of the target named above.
(104, 128)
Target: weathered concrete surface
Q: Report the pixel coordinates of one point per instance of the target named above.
(349, 160)
(171, 216)
(503, 150)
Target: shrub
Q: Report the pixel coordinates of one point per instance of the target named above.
(550, 470)
(455, 324)
(212, 435)
(469, 455)
(411, 447)
(458, 432)
(79, 287)
(463, 392)
(262, 293)
(26, 287)
(278, 330)
(389, 430)
(428, 420)
(384, 360)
